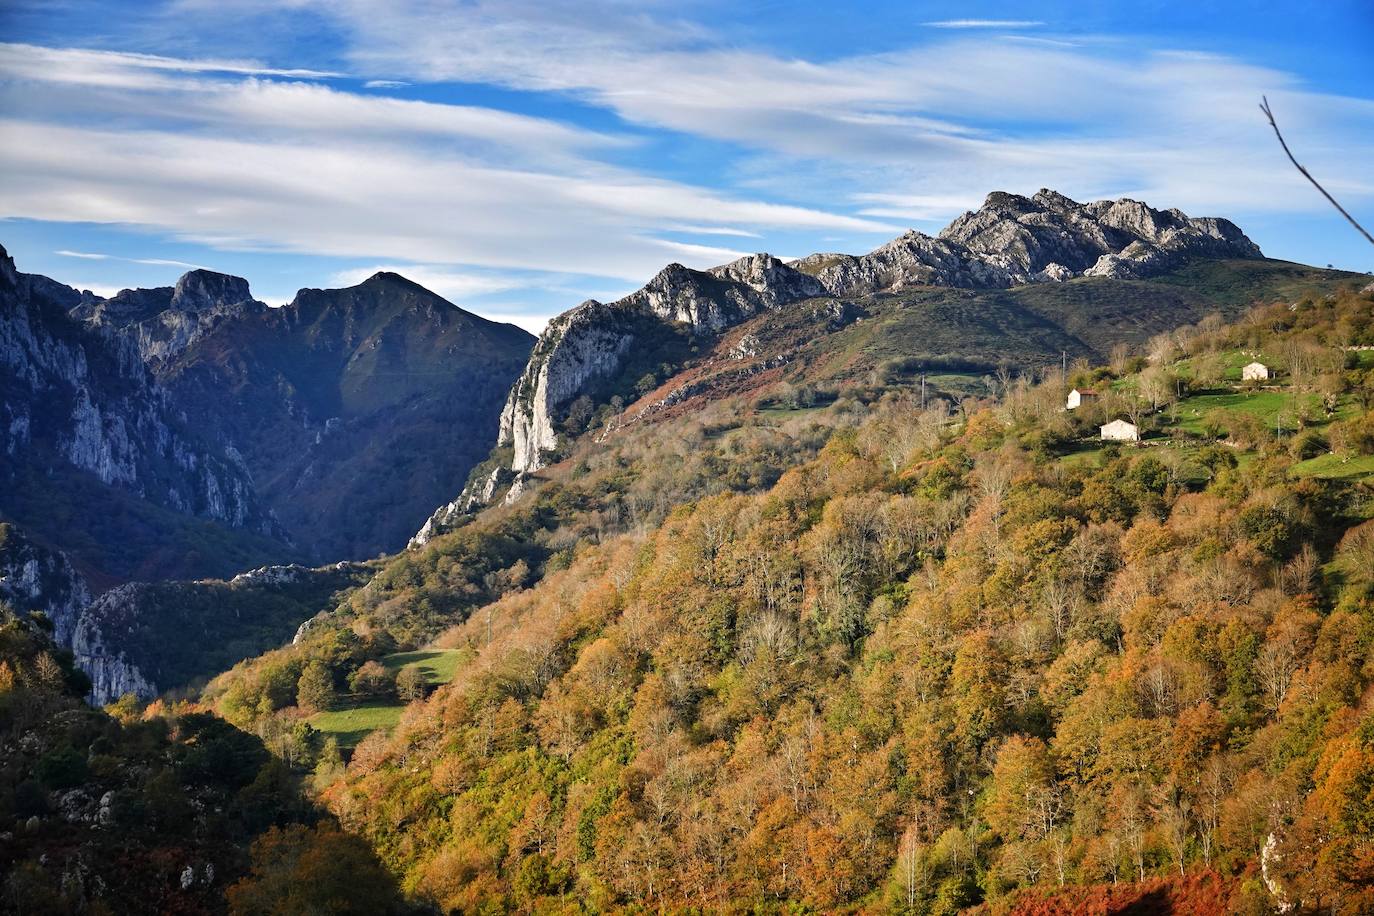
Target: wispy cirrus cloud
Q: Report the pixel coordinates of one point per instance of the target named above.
(985, 24)
(246, 161)
(96, 256)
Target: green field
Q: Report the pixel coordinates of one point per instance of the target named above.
(355, 720)
(1266, 405)
(437, 665)
(354, 723)
(1333, 466)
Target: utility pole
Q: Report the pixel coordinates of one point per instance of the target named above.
(1064, 361)
(923, 391)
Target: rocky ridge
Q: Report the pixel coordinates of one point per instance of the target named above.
(1009, 241)
(166, 320)
(132, 639)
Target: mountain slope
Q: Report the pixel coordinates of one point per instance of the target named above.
(1011, 240)
(356, 410)
(868, 657)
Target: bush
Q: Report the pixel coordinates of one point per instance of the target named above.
(410, 683)
(1307, 444)
(62, 768)
(372, 679)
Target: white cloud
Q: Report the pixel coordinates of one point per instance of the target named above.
(120, 69)
(943, 122)
(96, 256)
(985, 24)
(356, 200)
(385, 84)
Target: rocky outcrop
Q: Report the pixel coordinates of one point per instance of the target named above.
(588, 343)
(477, 493)
(577, 348)
(166, 320)
(109, 667)
(33, 578)
(147, 637)
(1012, 240)
(1049, 237)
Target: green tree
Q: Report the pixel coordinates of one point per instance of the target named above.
(315, 689)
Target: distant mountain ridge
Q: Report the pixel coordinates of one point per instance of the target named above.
(1010, 241)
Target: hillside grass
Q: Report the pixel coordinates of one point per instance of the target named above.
(1334, 467)
(356, 719)
(1264, 404)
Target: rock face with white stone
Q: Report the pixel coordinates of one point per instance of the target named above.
(34, 578)
(109, 667)
(587, 344)
(78, 399)
(147, 637)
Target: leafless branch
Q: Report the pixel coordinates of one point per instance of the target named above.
(1268, 113)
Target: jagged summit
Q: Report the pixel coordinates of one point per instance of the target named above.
(165, 320)
(1052, 237)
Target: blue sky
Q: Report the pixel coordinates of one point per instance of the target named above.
(521, 156)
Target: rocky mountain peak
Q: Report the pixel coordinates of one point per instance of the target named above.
(165, 320)
(201, 289)
(1052, 237)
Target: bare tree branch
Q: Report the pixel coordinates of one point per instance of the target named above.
(1268, 113)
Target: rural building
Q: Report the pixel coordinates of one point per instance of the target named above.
(1120, 431)
(1077, 396)
(1255, 372)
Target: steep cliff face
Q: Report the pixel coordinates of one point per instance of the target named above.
(86, 429)
(588, 344)
(108, 665)
(166, 320)
(1009, 241)
(33, 578)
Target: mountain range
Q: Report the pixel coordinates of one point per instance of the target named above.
(192, 432)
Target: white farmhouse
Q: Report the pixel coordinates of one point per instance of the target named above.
(1255, 372)
(1120, 431)
(1077, 396)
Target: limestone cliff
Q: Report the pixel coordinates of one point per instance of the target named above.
(33, 578)
(147, 637)
(82, 419)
